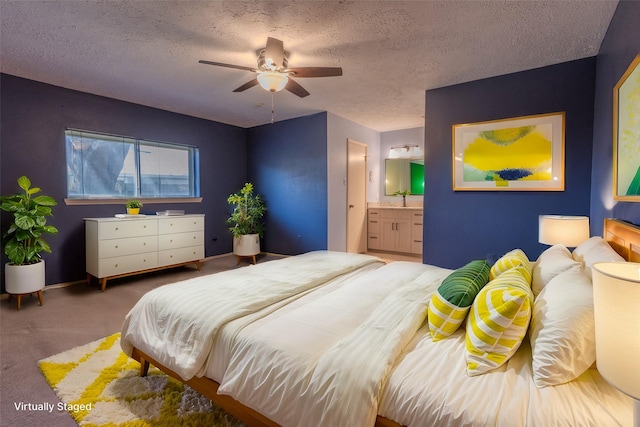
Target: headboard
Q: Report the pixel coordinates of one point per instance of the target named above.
(623, 237)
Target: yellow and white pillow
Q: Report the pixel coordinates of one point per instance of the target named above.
(510, 260)
(498, 321)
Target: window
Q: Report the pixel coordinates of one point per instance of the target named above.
(102, 166)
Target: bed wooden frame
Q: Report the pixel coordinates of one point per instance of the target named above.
(623, 237)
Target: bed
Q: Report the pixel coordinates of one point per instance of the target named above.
(345, 340)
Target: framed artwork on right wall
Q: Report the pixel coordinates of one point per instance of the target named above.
(626, 135)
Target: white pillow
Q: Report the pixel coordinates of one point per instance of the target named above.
(562, 330)
(596, 249)
(550, 263)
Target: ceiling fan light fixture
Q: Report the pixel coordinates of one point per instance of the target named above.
(272, 81)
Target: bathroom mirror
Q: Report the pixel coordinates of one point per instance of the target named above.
(404, 174)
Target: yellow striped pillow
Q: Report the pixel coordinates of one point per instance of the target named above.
(509, 260)
(498, 321)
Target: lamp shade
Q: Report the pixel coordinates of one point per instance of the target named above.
(565, 230)
(616, 300)
(271, 81)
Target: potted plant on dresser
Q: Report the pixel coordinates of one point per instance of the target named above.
(133, 207)
(246, 222)
(23, 242)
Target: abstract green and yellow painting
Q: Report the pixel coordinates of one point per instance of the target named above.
(512, 154)
(628, 133)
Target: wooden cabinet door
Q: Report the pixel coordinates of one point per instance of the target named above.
(389, 235)
(403, 235)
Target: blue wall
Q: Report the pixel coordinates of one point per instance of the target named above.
(461, 226)
(619, 47)
(287, 163)
(34, 116)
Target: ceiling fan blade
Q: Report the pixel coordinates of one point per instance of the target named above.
(247, 85)
(314, 71)
(295, 88)
(220, 64)
(275, 52)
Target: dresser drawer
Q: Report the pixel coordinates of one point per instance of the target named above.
(127, 264)
(110, 248)
(127, 228)
(374, 241)
(395, 214)
(416, 246)
(179, 255)
(180, 224)
(180, 240)
(373, 226)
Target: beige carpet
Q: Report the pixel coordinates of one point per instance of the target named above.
(70, 317)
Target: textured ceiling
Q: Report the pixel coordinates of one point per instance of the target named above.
(147, 52)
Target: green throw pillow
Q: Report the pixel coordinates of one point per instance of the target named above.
(450, 304)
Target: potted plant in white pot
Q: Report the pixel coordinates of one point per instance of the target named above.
(23, 242)
(246, 222)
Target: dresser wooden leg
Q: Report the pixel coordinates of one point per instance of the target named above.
(104, 284)
(40, 297)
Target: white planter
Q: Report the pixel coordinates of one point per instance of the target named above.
(246, 245)
(24, 279)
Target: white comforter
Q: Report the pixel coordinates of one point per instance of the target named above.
(340, 355)
(336, 379)
(178, 323)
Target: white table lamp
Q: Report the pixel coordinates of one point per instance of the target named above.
(560, 229)
(616, 298)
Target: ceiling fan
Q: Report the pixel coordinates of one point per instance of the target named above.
(273, 72)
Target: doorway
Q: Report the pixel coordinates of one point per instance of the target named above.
(356, 197)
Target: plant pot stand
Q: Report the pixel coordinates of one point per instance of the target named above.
(252, 257)
(19, 297)
(24, 280)
(246, 246)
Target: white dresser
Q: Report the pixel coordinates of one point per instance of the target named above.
(119, 247)
(393, 229)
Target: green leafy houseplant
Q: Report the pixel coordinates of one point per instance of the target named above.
(23, 241)
(135, 204)
(247, 213)
(404, 193)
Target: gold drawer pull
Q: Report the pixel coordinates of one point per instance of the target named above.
(116, 246)
(116, 266)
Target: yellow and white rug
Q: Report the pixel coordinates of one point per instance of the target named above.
(100, 386)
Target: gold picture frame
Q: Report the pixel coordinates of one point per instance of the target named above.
(516, 154)
(626, 135)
